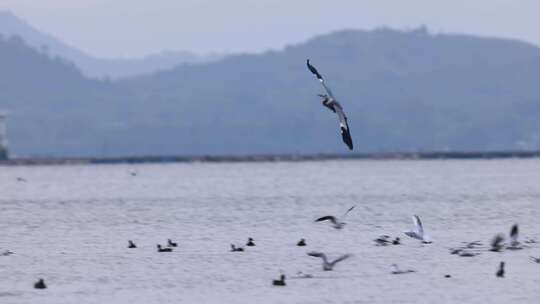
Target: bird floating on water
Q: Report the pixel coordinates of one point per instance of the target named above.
(396, 270)
(514, 233)
(131, 244)
(280, 282)
(418, 232)
(7, 253)
(385, 240)
(301, 275)
(161, 249)
(40, 284)
(500, 270)
(497, 243)
(327, 266)
(250, 242)
(170, 243)
(329, 101)
(302, 242)
(236, 249)
(465, 253)
(336, 223)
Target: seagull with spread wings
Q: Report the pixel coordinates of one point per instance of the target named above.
(327, 266)
(336, 223)
(329, 101)
(418, 232)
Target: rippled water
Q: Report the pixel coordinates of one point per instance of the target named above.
(70, 225)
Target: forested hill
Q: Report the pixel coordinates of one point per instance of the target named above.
(402, 91)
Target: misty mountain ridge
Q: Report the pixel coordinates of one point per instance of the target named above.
(402, 91)
(11, 25)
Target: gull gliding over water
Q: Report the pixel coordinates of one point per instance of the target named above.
(418, 232)
(327, 266)
(337, 223)
(331, 103)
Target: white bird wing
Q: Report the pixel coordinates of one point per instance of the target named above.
(321, 79)
(418, 225)
(341, 115)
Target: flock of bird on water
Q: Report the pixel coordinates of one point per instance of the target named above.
(468, 250)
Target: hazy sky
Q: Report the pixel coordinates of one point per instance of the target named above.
(113, 28)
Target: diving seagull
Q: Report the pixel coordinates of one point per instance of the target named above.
(337, 223)
(327, 266)
(329, 101)
(418, 232)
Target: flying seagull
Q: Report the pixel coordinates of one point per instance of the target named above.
(418, 232)
(337, 223)
(514, 233)
(327, 266)
(329, 101)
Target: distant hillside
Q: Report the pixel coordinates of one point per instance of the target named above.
(11, 25)
(402, 91)
(54, 110)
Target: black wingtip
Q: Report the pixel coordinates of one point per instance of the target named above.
(313, 70)
(346, 135)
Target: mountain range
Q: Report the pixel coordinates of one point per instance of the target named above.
(11, 25)
(402, 91)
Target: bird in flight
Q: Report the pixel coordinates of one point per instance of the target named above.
(329, 101)
(418, 232)
(336, 223)
(327, 266)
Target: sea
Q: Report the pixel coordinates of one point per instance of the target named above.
(70, 225)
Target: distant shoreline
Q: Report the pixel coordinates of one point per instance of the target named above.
(268, 158)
